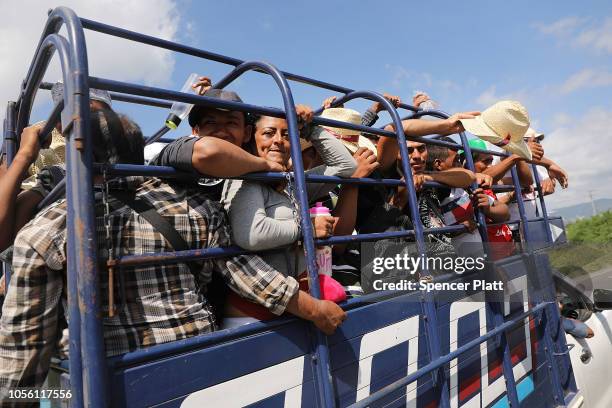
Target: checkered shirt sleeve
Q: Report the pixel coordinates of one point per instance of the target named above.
(156, 303)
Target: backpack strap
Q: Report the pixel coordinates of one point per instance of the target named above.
(217, 292)
(149, 213)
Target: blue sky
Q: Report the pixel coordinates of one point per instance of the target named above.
(552, 56)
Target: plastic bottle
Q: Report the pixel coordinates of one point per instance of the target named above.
(323, 253)
(180, 110)
(428, 104)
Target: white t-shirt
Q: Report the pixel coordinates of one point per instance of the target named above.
(529, 199)
(456, 208)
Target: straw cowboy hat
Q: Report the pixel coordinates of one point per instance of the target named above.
(305, 144)
(54, 155)
(351, 138)
(504, 125)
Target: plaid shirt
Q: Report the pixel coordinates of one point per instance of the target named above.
(161, 303)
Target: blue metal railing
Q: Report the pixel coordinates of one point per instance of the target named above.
(9, 147)
(88, 365)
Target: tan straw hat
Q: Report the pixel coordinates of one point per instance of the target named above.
(305, 144)
(503, 125)
(351, 138)
(54, 155)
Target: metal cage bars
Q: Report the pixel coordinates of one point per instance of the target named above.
(87, 362)
(77, 99)
(9, 148)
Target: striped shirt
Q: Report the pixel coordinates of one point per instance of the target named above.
(157, 303)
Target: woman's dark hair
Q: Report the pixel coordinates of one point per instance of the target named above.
(116, 138)
(253, 119)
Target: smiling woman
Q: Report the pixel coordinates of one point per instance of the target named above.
(264, 215)
(272, 140)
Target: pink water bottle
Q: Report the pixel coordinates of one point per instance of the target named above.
(324, 253)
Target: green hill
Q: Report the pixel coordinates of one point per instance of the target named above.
(597, 229)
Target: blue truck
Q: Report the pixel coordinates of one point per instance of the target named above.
(396, 348)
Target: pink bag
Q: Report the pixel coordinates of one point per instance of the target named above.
(331, 289)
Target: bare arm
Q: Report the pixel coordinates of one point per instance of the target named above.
(326, 315)
(10, 184)
(524, 173)
(497, 212)
(555, 171)
(498, 171)
(219, 158)
(3, 167)
(388, 148)
(544, 162)
(455, 177)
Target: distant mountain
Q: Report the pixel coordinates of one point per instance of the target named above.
(583, 210)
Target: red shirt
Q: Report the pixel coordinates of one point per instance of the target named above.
(500, 237)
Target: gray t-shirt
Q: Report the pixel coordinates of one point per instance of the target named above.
(263, 218)
(178, 154)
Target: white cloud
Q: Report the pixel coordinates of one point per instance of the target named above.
(108, 56)
(490, 96)
(587, 78)
(487, 97)
(406, 82)
(560, 28)
(595, 37)
(561, 119)
(402, 77)
(580, 146)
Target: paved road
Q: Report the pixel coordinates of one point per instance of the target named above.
(597, 280)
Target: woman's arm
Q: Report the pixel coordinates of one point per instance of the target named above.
(252, 229)
(336, 158)
(346, 208)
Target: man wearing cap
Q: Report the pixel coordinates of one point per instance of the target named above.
(216, 144)
(157, 303)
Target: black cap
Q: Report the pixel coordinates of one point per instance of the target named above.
(196, 112)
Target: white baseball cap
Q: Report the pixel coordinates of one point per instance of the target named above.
(531, 132)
